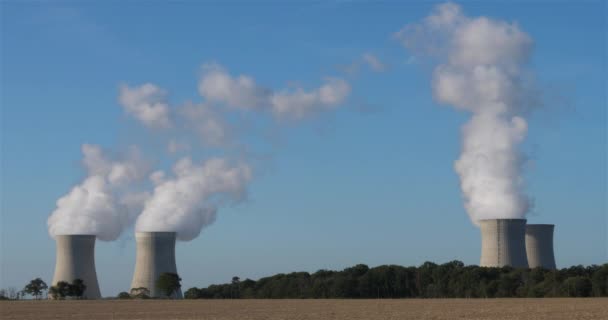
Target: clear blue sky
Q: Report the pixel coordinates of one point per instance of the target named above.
(371, 185)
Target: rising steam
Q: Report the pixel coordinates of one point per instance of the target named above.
(96, 206)
(113, 195)
(189, 201)
(480, 70)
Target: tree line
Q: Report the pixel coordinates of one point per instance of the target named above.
(167, 284)
(63, 289)
(37, 288)
(430, 280)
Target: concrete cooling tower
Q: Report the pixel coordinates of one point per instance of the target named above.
(155, 255)
(503, 243)
(539, 245)
(76, 260)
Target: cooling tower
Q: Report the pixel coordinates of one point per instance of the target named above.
(76, 260)
(539, 245)
(155, 255)
(503, 243)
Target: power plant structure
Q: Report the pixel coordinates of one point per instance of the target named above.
(503, 243)
(76, 260)
(155, 255)
(539, 246)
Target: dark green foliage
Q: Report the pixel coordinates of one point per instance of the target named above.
(124, 295)
(168, 283)
(448, 280)
(577, 286)
(140, 293)
(54, 292)
(599, 281)
(76, 289)
(193, 293)
(62, 289)
(234, 289)
(35, 288)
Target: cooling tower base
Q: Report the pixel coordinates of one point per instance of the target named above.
(155, 255)
(76, 260)
(539, 246)
(503, 243)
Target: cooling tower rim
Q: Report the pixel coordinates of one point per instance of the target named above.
(540, 225)
(75, 235)
(155, 234)
(500, 219)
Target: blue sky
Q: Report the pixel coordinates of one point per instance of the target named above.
(371, 182)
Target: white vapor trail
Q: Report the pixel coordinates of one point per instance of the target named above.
(481, 71)
(97, 206)
(188, 202)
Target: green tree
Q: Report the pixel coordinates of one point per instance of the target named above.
(424, 280)
(60, 290)
(140, 293)
(168, 283)
(76, 288)
(124, 295)
(508, 283)
(552, 283)
(452, 279)
(599, 281)
(577, 286)
(193, 293)
(54, 292)
(35, 288)
(234, 292)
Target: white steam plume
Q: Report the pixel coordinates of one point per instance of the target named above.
(188, 202)
(242, 92)
(208, 123)
(481, 71)
(147, 104)
(217, 85)
(298, 103)
(374, 63)
(113, 197)
(94, 206)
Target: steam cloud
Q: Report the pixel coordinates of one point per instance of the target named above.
(94, 206)
(147, 104)
(188, 202)
(374, 63)
(242, 92)
(481, 70)
(115, 194)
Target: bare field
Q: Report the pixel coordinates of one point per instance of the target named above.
(516, 309)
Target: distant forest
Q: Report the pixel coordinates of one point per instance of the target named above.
(430, 280)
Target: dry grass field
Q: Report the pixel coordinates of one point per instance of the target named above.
(516, 309)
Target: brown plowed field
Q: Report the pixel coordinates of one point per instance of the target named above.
(516, 309)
